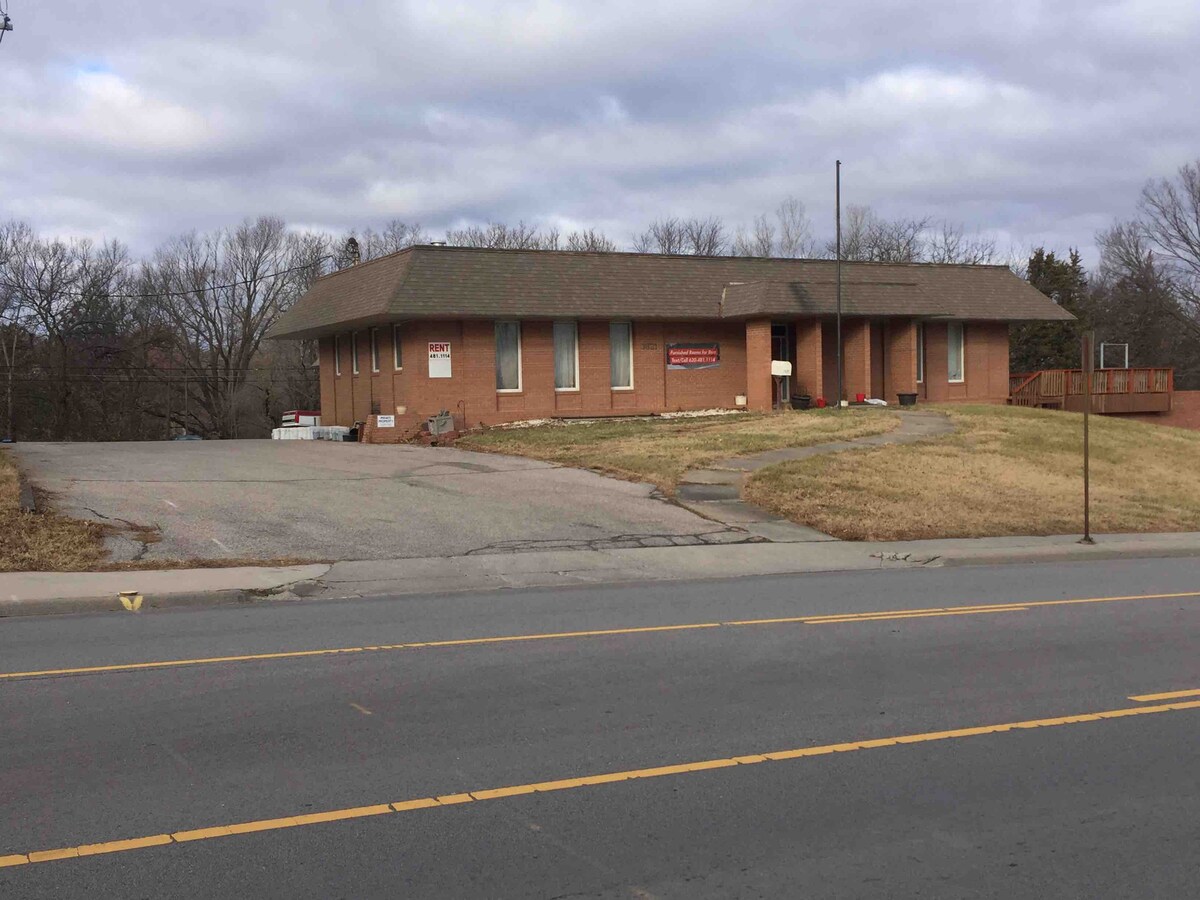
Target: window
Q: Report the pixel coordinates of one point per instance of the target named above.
(397, 355)
(374, 349)
(337, 354)
(508, 356)
(620, 355)
(954, 352)
(920, 352)
(354, 352)
(566, 356)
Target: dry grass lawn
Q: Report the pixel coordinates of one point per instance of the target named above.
(1006, 471)
(42, 541)
(660, 450)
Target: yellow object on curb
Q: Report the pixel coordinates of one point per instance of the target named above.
(131, 600)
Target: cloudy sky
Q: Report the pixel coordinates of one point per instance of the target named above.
(1034, 122)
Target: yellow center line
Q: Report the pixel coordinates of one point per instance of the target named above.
(1171, 695)
(482, 795)
(813, 619)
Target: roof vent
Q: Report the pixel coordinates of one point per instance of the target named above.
(437, 243)
(353, 253)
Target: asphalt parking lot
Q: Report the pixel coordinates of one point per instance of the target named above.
(323, 500)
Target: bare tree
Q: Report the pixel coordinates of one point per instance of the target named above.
(705, 237)
(788, 236)
(67, 290)
(395, 236)
(1170, 221)
(951, 244)
(500, 236)
(662, 236)
(759, 241)
(220, 293)
(795, 230)
(13, 314)
(590, 240)
(692, 237)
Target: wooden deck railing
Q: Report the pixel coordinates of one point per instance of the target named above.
(1066, 388)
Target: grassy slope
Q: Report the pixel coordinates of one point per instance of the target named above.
(660, 450)
(42, 541)
(1006, 471)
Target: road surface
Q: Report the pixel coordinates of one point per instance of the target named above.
(902, 733)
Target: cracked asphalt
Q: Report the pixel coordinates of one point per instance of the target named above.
(331, 501)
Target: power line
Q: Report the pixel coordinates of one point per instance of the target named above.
(200, 289)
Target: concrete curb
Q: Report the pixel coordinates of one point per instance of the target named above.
(570, 568)
(62, 593)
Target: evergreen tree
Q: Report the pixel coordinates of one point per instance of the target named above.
(1053, 345)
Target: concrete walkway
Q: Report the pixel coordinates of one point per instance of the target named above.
(43, 593)
(716, 492)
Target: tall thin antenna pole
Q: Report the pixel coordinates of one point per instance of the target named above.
(838, 214)
(1088, 361)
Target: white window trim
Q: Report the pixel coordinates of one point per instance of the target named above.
(629, 387)
(397, 356)
(373, 337)
(962, 334)
(520, 358)
(575, 325)
(354, 352)
(337, 354)
(920, 353)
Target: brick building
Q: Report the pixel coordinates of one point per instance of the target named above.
(502, 335)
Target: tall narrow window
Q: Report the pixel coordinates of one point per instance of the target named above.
(954, 352)
(337, 354)
(620, 354)
(374, 349)
(354, 352)
(566, 356)
(920, 352)
(397, 354)
(508, 356)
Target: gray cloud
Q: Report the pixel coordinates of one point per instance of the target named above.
(1035, 122)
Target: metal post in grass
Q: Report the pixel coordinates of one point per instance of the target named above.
(838, 217)
(1088, 342)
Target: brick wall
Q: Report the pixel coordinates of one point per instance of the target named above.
(759, 386)
(470, 393)
(1184, 413)
(985, 347)
(901, 356)
(856, 334)
(809, 367)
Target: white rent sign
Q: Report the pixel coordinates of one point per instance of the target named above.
(439, 359)
(385, 421)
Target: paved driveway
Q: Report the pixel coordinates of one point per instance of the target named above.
(322, 500)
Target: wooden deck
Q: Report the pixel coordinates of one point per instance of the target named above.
(1114, 391)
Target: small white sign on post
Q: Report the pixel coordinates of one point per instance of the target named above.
(439, 359)
(385, 421)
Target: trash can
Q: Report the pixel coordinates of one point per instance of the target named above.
(908, 399)
(803, 401)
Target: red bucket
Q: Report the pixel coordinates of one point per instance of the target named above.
(820, 403)
(860, 398)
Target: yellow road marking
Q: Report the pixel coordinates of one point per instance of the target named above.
(201, 834)
(843, 618)
(362, 709)
(1171, 695)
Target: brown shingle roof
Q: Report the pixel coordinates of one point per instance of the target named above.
(460, 282)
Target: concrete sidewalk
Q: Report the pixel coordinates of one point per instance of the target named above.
(715, 492)
(41, 593)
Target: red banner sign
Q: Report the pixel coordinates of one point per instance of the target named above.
(693, 356)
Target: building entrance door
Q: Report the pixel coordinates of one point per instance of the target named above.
(781, 349)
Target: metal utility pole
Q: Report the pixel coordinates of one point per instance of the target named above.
(838, 215)
(1089, 338)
